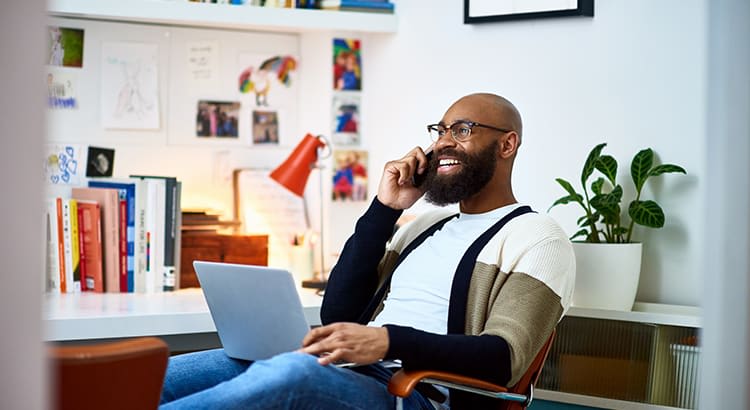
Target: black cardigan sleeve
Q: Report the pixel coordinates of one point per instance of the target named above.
(354, 280)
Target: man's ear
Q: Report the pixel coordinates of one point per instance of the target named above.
(508, 145)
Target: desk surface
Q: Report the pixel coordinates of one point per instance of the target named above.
(87, 315)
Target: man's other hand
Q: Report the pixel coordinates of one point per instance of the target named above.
(350, 342)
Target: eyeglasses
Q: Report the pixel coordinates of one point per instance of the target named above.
(460, 130)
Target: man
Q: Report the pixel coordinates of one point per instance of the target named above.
(476, 293)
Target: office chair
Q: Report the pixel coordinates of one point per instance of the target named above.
(116, 375)
(517, 397)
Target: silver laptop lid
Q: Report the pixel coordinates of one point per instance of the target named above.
(256, 309)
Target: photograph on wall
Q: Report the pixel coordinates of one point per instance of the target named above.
(65, 46)
(265, 127)
(267, 78)
(219, 119)
(100, 162)
(130, 86)
(61, 91)
(61, 164)
(349, 175)
(345, 127)
(347, 64)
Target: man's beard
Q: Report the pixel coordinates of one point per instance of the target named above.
(476, 172)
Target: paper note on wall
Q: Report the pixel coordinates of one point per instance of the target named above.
(268, 208)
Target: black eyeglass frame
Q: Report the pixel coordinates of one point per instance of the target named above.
(470, 124)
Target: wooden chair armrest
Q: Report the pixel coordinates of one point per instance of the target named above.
(403, 382)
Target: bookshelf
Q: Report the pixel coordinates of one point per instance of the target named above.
(252, 18)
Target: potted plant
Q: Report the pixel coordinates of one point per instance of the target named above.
(606, 259)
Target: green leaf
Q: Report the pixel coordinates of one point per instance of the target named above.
(596, 186)
(588, 166)
(566, 200)
(640, 167)
(620, 230)
(609, 205)
(582, 232)
(585, 221)
(607, 165)
(666, 168)
(646, 213)
(567, 186)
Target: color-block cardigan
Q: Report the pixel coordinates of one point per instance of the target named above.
(519, 289)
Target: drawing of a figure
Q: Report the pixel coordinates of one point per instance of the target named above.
(258, 80)
(57, 52)
(130, 100)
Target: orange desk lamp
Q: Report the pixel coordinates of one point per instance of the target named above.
(293, 174)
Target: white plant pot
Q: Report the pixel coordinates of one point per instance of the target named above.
(606, 275)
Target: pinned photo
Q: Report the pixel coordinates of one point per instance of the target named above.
(350, 175)
(347, 64)
(65, 47)
(265, 127)
(217, 119)
(345, 119)
(100, 162)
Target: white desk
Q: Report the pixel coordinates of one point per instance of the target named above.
(181, 318)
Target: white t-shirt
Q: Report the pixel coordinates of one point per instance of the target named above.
(421, 285)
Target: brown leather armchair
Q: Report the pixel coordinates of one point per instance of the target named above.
(118, 375)
(516, 397)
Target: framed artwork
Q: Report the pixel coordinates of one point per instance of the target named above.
(485, 11)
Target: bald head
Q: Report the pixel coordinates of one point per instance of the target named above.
(497, 110)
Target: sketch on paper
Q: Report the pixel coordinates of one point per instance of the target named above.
(130, 92)
(258, 73)
(61, 164)
(202, 63)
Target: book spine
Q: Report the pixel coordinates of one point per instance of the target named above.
(67, 285)
(74, 245)
(82, 248)
(170, 223)
(53, 255)
(123, 220)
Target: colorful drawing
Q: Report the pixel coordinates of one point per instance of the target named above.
(346, 118)
(61, 164)
(61, 91)
(258, 80)
(347, 64)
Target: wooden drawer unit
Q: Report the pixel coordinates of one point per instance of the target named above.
(242, 249)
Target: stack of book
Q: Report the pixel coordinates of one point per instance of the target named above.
(368, 6)
(203, 221)
(115, 235)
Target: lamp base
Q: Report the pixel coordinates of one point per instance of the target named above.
(314, 284)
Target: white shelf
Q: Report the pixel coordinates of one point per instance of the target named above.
(88, 315)
(593, 401)
(660, 314)
(254, 18)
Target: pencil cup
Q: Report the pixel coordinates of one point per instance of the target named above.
(301, 263)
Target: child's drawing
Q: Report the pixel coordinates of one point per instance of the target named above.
(257, 79)
(61, 164)
(130, 96)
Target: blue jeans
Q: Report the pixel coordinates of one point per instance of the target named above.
(212, 380)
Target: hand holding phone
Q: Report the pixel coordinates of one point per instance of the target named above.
(418, 179)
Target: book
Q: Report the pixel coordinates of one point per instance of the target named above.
(74, 245)
(109, 203)
(171, 228)
(55, 251)
(357, 5)
(70, 247)
(81, 248)
(90, 232)
(129, 252)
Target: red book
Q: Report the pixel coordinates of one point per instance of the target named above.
(81, 249)
(123, 245)
(90, 232)
(109, 204)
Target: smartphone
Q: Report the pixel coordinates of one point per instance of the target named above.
(418, 179)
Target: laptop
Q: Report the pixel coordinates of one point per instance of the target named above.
(256, 309)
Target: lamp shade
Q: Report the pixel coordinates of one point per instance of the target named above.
(294, 171)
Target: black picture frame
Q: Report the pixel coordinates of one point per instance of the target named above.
(584, 8)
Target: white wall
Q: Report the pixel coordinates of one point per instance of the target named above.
(633, 76)
(23, 384)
